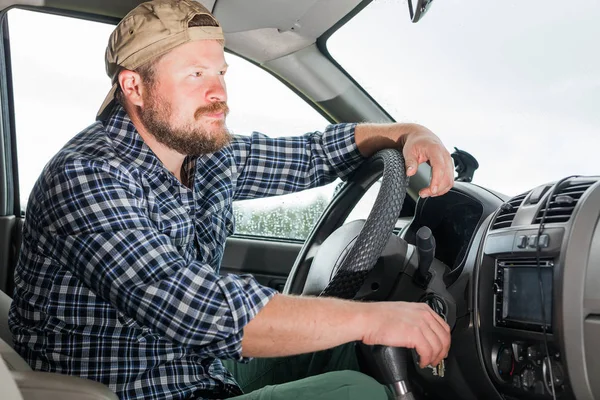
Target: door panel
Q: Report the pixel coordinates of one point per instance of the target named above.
(269, 261)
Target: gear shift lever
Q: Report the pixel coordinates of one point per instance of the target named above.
(389, 366)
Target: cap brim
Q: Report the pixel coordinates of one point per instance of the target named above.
(106, 106)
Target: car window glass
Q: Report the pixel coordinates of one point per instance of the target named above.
(59, 82)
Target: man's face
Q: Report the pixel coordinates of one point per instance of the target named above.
(186, 106)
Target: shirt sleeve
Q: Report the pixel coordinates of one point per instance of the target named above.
(265, 166)
(98, 228)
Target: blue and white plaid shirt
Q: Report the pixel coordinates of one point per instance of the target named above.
(118, 279)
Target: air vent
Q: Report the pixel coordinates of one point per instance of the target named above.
(526, 262)
(508, 211)
(563, 202)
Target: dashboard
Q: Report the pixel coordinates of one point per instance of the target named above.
(527, 300)
(453, 217)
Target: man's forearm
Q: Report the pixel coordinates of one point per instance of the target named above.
(290, 325)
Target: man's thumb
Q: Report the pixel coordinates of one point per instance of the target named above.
(411, 166)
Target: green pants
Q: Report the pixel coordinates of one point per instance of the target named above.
(330, 374)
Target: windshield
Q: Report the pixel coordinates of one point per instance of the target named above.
(514, 83)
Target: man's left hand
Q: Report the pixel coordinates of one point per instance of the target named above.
(421, 145)
(418, 145)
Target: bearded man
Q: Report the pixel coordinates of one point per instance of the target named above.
(118, 279)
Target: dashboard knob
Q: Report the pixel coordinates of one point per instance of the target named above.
(557, 372)
(505, 363)
(528, 378)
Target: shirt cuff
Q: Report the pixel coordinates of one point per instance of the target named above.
(341, 150)
(245, 297)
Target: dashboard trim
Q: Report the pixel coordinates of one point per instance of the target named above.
(576, 257)
(476, 318)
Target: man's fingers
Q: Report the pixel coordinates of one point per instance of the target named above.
(444, 338)
(438, 166)
(442, 178)
(439, 319)
(441, 329)
(435, 342)
(424, 348)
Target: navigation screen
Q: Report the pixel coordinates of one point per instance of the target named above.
(522, 301)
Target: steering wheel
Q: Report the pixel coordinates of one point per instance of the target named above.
(335, 261)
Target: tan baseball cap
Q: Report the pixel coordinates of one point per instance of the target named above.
(149, 31)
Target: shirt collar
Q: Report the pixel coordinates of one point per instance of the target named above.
(127, 141)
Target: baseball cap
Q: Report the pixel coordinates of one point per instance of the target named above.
(149, 31)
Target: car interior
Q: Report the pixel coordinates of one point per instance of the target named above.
(517, 278)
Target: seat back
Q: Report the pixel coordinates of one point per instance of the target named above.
(32, 385)
(5, 302)
(10, 391)
(35, 385)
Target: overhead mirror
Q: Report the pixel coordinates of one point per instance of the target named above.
(420, 8)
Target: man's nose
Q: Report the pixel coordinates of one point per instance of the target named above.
(217, 90)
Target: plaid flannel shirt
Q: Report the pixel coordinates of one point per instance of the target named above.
(118, 278)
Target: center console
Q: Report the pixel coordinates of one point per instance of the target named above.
(521, 327)
(519, 302)
(519, 295)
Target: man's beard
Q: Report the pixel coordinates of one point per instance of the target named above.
(187, 139)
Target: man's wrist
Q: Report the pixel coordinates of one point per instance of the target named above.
(363, 320)
(370, 138)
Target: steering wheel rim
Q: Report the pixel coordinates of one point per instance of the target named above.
(374, 235)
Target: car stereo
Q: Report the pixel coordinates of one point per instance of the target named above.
(518, 303)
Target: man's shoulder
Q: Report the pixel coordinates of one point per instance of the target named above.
(88, 151)
(91, 143)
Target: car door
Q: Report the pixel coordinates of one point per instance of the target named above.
(52, 87)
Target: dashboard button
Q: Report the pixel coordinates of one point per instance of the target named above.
(518, 351)
(544, 241)
(522, 242)
(532, 241)
(534, 355)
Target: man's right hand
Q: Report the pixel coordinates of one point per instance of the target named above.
(410, 325)
(290, 325)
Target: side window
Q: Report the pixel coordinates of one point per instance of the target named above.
(56, 99)
(259, 102)
(58, 84)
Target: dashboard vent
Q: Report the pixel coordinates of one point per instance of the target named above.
(526, 262)
(508, 211)
(563, 202)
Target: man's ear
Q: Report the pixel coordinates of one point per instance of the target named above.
(131, 86)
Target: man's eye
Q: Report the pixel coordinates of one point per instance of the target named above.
(222, 72)
(197, 74)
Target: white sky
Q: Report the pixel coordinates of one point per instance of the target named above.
(516, 84)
